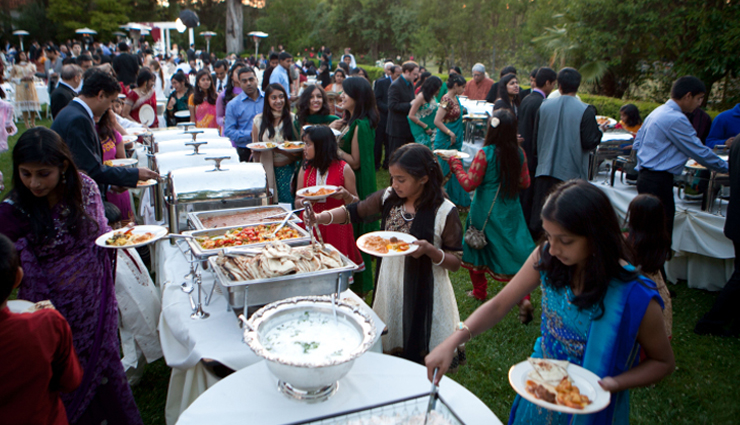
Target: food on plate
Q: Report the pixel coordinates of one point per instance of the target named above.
(279, 259)
(321, 192)
(384, 246)
(602, 120)
(549, 381)
(400, 419)
(694, 164)
(293, 145)
(268, 145)
(448, 153)
(149, 182)
(109, 163)
(239, 218)
(128, 237)
(247, 235)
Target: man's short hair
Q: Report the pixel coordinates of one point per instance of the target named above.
(284, 55)
(9, 264)
(53, 49)
(96, 81)
(395, 68)
(508, 70)
(457, 69)
(83, 58)
(274, 56)
(533, 74)
(569, 80)
(409, 66)
(245, 70)
(69, 72)
(69, 60)
(122, 46)
(479, 67)
(686, 85)
(544, 76)
(76, 43)
(221, 64)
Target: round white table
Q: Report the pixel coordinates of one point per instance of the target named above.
(251, 396)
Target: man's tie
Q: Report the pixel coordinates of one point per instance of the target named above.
(220, 86)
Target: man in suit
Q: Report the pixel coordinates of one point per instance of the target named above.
(76, 125)
(400, 96)
(219, 75)
(381, 99)
(126, 65)
(66, 89)
(541, 87)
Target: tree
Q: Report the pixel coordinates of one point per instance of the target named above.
(234, 27)
(103, 15)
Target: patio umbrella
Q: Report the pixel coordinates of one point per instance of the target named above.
(256, 36)
(86, 31)
(20, 34)
(208, 35)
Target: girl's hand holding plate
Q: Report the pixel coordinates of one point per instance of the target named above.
(424, 248)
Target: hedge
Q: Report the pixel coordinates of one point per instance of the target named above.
(609, 106)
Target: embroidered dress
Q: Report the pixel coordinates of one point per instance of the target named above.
(26, 98)
(453, 120)
(425, 114)
(121, 200)
(205, 114)
(278, 178)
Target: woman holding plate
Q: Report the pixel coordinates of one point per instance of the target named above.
(597, 311)
(141, 102)
(450, 133)
(178, 100)
(53, 214)
(113, 148)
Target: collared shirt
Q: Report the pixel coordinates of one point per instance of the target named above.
(666, 140)
(240, 113)
(73, 89)
(84, 105)
(724, 126)
(535, 89)
(408, 83)
(280, 76)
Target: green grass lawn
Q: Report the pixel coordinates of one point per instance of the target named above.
(701, 391)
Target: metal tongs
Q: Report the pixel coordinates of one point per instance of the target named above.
(309, 213)
(432, 396)
(280, 226)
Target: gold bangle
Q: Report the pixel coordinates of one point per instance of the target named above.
(461, 326)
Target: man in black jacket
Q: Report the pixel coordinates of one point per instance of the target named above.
(381, 99)
(66, 89)
(126, 65)
(76, 125)
(400, 96)
(541, 88)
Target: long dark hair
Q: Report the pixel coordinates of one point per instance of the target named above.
(503, 92)
(584, 210)
(359, 90)
(430, 87)
(304, 103)
(324, 147)
(648, 234)
(181, 78)
(43, 146)
(229, 91)
(633, 114)
(507, 150)
(419, 161)
(106, 128)
(210, 94)
(422, 78)
(268, 120)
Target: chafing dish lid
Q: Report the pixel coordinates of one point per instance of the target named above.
(232, 181)
(180, 144)
(169, 161)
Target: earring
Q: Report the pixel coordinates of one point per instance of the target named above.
(64, 179)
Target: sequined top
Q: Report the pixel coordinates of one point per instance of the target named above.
(396, 221)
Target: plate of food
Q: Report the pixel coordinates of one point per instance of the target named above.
(559, 385)
(451, 153)
(131, 237)
(693, 164)
(603, 119)
(122, 162)
(260, 147)
(146, 183)
(291, 146)
(387, 244)
(135, 132)
(317, 193)
(182, 114)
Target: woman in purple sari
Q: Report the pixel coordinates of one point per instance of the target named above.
(54, 214)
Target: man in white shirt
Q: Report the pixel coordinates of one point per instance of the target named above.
(352, 62)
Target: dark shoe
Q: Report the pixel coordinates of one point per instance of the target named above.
(672, 293)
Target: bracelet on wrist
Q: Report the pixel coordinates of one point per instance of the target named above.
(331, 215)
(440, 261)
(461, 326)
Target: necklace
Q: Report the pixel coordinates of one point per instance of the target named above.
(404, 215)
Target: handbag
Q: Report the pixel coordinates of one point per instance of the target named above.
(475, 238)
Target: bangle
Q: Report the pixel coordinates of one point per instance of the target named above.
(461, 326)
(440, 261)
(332, 217)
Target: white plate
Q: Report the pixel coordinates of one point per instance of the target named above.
(387, 235)
(145, 183)
(458, 154)
(314, 189)
(129, 138)
(254, 147)
(282, 146)
(123, 162)
(135, 132)
(158, 231)
(182, 114)
(586, 381)
(19, 306)
(611, 121)
(147, 115)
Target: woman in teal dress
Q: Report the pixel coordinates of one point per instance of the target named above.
(450, 132)
(423, 110)
(497, 174)
(597, 311)
(357, 150)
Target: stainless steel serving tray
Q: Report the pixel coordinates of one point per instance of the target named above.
(195, 219)
(259, 292)
(201, 253)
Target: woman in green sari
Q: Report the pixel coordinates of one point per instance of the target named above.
(357, 150)
(313, 108)
(423, 110)
(449, 122)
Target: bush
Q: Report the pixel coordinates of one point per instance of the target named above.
(609, 106)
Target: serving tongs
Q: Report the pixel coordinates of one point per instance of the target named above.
(310, 227)
(290, 213)
(280, 226)
(432, 396)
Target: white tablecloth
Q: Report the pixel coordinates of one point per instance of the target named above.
(704, 256)
(251, 395)
(186, 341)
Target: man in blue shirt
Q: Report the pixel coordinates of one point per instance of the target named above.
(280, 73)
(240, 113)
(725, 127)
(666, 140)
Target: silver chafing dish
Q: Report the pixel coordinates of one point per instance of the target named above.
(202, 253)
(198, 220)
(249, 293)
(188, 145)
(163, 163)
(210, 188)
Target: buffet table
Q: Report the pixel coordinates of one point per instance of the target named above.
(186, 342)
(251, 395)
(703, 255)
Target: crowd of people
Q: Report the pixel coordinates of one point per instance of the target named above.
(534, 221)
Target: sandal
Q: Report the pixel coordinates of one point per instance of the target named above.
(526, 312)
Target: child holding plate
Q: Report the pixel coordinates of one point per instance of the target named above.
(596, 309)
(413, 294)
(323, 167)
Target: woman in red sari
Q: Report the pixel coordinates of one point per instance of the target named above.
(322, 166)
(142, 98)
